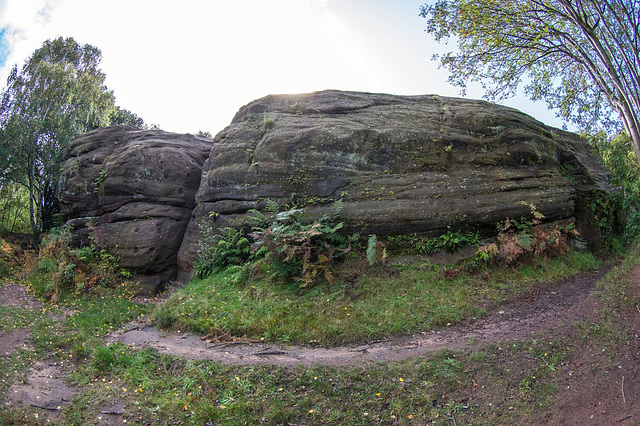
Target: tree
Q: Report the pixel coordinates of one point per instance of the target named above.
(580, 56)
(126, 118)
(58, 93)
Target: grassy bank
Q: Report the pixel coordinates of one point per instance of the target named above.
(382, 301)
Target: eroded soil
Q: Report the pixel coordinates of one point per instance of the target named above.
(45, 387)
(603, 389)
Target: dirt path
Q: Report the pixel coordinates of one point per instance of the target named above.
(554, 305)
(45, 386)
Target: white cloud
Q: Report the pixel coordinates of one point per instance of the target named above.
(190, 65)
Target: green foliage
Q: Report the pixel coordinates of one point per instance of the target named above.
(14, 208)
(618, 210)
(5, 268)
(126, 118)
(300, 251)
(57, 93)
(60, 268)
(376, 251)
(580, 57)
(218, 250)
(287, 246)
(371, 251)
(449, 241)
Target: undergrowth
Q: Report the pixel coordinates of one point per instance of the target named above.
(421, 244)
(58, 267)
(618, 210)
(504, 383)
(288, 248)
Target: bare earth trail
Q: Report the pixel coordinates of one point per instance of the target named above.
(46, 385)
(552, 306)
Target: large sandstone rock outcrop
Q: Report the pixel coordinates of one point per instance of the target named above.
(136, 190)
(401, 164)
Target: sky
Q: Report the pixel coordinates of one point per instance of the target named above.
(189, 65)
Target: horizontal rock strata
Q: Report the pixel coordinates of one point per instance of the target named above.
(400, 164)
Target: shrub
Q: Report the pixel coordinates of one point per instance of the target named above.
(60, 267)
(449, 241)
(619, 209)
(517, 238)
(300, 251)
(287, 246)
(220, 250)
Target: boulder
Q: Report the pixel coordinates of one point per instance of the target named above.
(400, 164)
(133, 192)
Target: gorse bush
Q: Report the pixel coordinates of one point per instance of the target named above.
(618, 211)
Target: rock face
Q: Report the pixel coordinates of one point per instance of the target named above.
(401, 164)
(136, 190)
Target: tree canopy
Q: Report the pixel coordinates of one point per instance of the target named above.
(58, 92)
(580, 56)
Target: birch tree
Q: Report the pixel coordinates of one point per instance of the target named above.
(58, 92)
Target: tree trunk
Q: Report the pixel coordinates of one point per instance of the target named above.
(31, 206)
(15, 217)
(631, 127)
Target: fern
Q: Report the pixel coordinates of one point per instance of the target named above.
(371, 249)
(218, 250)
(336, 209)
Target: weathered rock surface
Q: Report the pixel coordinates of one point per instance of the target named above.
(136, 190)
(401, 164)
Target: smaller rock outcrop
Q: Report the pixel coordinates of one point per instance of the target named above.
(133, 191)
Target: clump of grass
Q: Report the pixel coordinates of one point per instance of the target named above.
(380, 303)
(615, 289)
(92, 319)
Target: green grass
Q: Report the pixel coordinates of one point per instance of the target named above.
(15, 318)
(92, 319)
(381, 303)
(616, 289)
(505, 383)
(473, 388)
